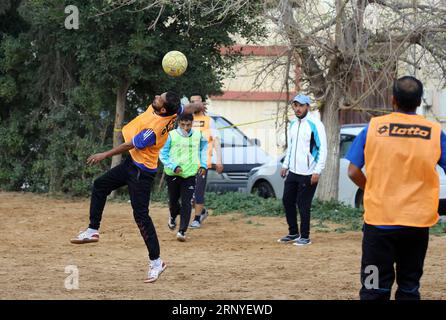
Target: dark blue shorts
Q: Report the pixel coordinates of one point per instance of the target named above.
(200, 188)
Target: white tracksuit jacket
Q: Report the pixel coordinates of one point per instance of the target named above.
(307, 146)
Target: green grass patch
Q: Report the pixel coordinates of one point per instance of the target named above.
(438, 229)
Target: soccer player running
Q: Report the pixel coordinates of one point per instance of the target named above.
(206, 125)
(144, 136)
(184, 156)
(304, 161)
(400, 152)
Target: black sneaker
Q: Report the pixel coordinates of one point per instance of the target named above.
(171, 223)
(289, 238)
(204, 214)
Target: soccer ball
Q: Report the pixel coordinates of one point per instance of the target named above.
(174, 63)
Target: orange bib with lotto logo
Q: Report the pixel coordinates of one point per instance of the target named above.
(401, 154)
(160, 126)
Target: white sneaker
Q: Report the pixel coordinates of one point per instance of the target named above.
(156, 268)
(302, 242)
(195, 224)
(181, 236)
(87, 236)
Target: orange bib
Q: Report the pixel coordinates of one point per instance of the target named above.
(160, 126)
(202, 123)
(401, 154)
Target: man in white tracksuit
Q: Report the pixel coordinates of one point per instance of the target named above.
(304, 161)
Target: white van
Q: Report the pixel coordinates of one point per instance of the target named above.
(239, 155)
(267, 182)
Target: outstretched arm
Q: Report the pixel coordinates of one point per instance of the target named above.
(194, 107)
(98, 157)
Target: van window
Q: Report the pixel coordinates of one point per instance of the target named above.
(230, 137)
(346, 142)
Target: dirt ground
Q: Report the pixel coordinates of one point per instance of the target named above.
(230, 257)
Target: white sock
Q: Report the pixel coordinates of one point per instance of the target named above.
(156, 262)
(89, 230)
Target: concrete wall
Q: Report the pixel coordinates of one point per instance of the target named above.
(255, 96)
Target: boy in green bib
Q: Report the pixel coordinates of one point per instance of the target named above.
(183, 156)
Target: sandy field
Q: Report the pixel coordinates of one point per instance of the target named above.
(230, 257)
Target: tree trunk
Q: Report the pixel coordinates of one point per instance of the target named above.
(329, 180)
(121, 97)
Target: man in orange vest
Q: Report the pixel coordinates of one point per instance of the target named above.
(144, 136)
(206, 125)
(400, 152)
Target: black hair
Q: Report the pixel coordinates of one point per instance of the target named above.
(173, 103)
(185, 117)
(408, 92)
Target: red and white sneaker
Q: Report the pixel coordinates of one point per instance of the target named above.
(87, 236)
(156, 268)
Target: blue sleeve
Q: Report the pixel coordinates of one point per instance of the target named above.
(203, 152)
(144, 139)
(165, 155)
(442, 161)
(356, 152)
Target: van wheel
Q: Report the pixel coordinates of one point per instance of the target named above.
(263, 189)
(359, 199)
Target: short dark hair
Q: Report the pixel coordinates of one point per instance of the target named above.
(173, 102)
(185, 117)
(408, 92)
